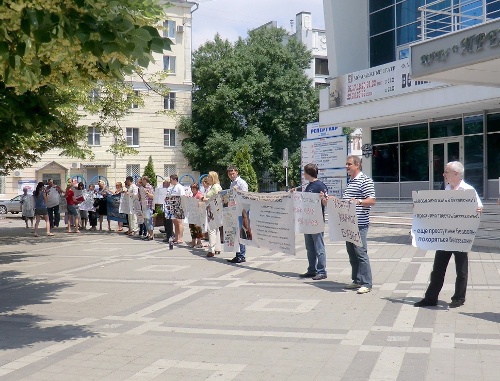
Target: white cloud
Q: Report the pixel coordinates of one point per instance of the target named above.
(233, 18)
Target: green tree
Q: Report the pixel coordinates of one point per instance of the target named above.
(149, 171)
(243, 161)
(251, 93)
(52, 54)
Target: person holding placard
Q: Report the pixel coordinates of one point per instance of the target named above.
(214, 246)
(132, 192)
(453, 178)
(177, 190)
(239, 184)
(361, 191)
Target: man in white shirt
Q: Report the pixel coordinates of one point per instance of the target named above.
(453, 177)
(177, 190)
(133, 193)
(239, 184)
(53, 200)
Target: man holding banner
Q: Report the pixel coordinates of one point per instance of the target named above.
(239, 184)
(361, 191)
(453, 177)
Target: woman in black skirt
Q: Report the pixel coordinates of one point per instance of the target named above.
(102, 209)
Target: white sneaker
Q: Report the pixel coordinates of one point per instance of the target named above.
(352, 286)
(364, 290)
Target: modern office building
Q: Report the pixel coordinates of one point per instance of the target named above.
(420, 78)
(151, 133)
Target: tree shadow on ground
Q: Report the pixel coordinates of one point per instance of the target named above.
(413, 300)
(489, 316)
(19, 328)
(401, 239)
(9, 257)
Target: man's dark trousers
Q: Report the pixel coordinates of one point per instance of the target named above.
(441, 261)
(54, 216)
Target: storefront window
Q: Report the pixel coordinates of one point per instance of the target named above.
(493, 123)
(385, 135)
(376, 5)
(385, 166)
(473, 125)
(473, 161)
(493, 156)
(415, 161)
(445, 128)
(415, 132)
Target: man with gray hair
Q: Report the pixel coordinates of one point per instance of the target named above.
(453, 177)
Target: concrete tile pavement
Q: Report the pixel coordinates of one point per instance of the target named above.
(106, 307)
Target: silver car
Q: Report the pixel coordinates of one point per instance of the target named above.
(13, 205)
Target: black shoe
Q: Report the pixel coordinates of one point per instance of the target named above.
(307, 275)
(237, 260)
(319, 277)
(425, 303)
(456, 303)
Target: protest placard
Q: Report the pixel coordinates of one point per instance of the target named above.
(88, 203)
(173, 207)
(214, 212)
(113, 214)
(126, 204)
(266, 220)
(308, 213)
(343, 221)
(445, 220)
(230, 221)
(191, 208)
(160, 194)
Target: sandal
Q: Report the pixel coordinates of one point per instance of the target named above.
(36, 235)
(50, 235)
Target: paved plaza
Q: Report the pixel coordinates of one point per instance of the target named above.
(101, 306)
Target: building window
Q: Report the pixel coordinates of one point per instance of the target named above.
(414, 132)
(133, 170)
(2, 184)
(493, 156)
(492, 9)
(169, 30)
(169, 64)
(93, 136)
(415, 161)
(445, 128)
(385, 135)
(133, 104)
(473, 125)
(493, 123)
(169, 102)
(169, 137)
(321, 66)
(473, 161)
(133, 137)
(168, 170)
(385, 163)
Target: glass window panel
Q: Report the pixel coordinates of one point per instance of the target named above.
(492, 6)
(385, 135)
(473, 125)
(473, 161)
(493, 156)
(407, 34)
(375, 5)
(493, 122)
(446, 128)
(474, 9)
(382, 21)
(407, 11)
(382, 49)
(415, 132)
(415, 161)
(385, 166)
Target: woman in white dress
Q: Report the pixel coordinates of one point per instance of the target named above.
(28, 207)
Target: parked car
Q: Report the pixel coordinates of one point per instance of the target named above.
(13, 205)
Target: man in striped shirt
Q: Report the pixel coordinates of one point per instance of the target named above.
(361, 191)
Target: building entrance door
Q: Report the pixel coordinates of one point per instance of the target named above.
(442, 151)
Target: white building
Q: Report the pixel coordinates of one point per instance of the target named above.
(152, 134)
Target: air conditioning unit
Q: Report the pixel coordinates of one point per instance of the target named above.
(18, 173)
(180, 28)
(75, 165)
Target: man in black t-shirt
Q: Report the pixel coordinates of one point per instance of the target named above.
(315, 245)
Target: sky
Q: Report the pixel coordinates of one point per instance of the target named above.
(233, 18)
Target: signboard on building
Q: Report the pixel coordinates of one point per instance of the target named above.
(379, 82)
(28, 184)
(314, 131)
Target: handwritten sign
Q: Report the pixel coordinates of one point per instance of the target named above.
(343, 221)
(113, 214)
(214, 212)
(160, 194)
(230, 221)
(308, 213)
(445, 220)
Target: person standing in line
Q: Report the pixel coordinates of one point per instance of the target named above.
(239, 184)
(167, 222)
(72, 208)
(40, 196)
(195, 230)
(132, 192)
(360, 191)
(315, 244)
(214, 241)
(92, 213)
(142, 226)
(148, 213)
(177, 190)
(454, 179)
(103, 203)
(119, 190)
(53, 200)
(84, 214)
(27, 207)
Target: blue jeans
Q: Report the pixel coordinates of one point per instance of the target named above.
(360, 263)
(315, 247)
(241, 253)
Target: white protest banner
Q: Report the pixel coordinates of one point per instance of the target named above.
(173, 207)
(230, 221)
(88, 204)
(445, 220)
(266, 220)
(343, 221)
(214, 212)
(191, 208)
(160, 194)
(308, 213)
(126, 205)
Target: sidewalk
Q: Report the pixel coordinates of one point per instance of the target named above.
(101, 306)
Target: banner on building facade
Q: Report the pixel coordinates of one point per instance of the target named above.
(308, 213)
(445, 220)
(343, 221)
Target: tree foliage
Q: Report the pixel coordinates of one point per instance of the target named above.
(252, 93)
(52, 54)
(243, 161)
(149, 171)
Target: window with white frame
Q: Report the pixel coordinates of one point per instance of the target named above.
(168, 137)
(2, 184)
(169, 170)
(169, 30)
(169, 101)
(169, 64)
(93, 136)
(135, 105)
(133, 170)
(133, 137)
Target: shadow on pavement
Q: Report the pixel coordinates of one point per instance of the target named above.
(20, 329)
(413, 300)
(489, 316)
(401, 239)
